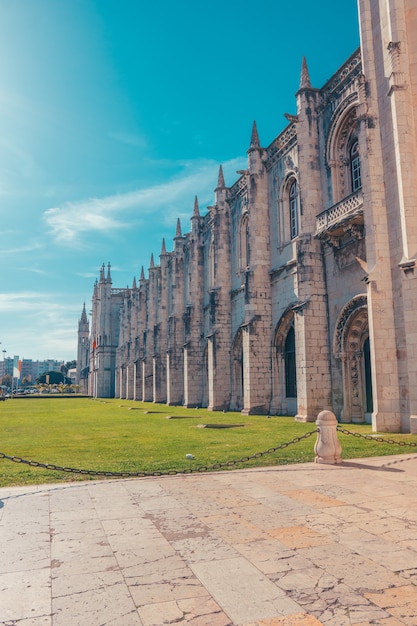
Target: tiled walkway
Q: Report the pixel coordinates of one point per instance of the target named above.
(299, 545)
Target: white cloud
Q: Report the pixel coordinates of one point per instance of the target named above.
(20, 249)
(167, 200)
(44, 322)
(38, 303)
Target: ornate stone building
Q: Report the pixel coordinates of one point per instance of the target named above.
(296, 291)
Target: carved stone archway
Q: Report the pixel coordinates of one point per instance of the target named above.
(237, 396)
(351, 346)
(281, 404)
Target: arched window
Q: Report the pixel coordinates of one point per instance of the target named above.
(342, 152)
(211, 266)
(244, 243)
(355, 166)
(294, 209)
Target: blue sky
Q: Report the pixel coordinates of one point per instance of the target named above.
(114, 114)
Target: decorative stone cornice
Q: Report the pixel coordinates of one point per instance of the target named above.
(282, 144)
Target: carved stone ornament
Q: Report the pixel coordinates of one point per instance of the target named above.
(355, 230)
(359, 302)
(333, 242)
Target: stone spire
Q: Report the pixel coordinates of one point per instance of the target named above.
(220, 180)
(254, 140)
(152, 265)
(142, 275)
(196, 212)
(108, 273)
(305, 76)
(178, 231)
(163, 249)
(84, 319)
(134, 283)
(102, 279)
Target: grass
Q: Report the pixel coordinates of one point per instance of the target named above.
(127, 436)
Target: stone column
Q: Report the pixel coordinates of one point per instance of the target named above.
(382, 223)
(311, 315)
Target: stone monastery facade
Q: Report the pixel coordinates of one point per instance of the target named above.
(297, 290)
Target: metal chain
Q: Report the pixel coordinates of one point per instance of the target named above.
(412, 444)
(190, 470)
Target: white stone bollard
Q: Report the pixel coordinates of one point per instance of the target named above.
(328, 449)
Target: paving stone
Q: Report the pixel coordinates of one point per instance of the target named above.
(354, 570)
(266, 518)
(242, 591)
(93, 600)
(24, 550)
(269, 555)
(234, 529)
(206, 548)
(175, 525)
(400, 602)
(385, 621)
(196, 612)
(300, 537)
(25, 594)
(288, 620)
(381, 551)
(310, 496)
(171, 584)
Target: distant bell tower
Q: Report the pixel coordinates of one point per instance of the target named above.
(83, 351)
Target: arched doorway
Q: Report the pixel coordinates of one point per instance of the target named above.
(352, 347)
(284, 401)
(237, 398)
(290, 369)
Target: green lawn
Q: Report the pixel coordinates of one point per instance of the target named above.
(128, 436)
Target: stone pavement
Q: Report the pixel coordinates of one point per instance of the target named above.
(297, 545)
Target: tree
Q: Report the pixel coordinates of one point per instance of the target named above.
(68, 366)
(51, 378)
(7, 380)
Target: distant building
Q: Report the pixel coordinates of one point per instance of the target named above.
(297, 291)
(72, 375)
(6, 367)
(31, 370)
(83, 352)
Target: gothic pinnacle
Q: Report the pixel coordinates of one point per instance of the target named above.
(305, 76)
(196, 212)
(152, 265)
(178, 232)
(142, 274)
(163, 249)
(220, 181)
(84, 315)
(254, 140)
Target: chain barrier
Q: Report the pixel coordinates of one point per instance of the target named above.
(142, 474)
(411, 444)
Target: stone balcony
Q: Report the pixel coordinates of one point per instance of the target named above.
(343, 218)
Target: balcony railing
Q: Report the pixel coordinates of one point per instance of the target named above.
(340, 214)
